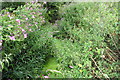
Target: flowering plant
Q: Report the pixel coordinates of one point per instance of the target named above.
(26, 19)
(15, 27)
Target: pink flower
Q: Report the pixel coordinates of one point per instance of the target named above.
(26, 18)
(20, 27)
(10, 17)
(0, 40)
(27, 7)
(18, 21)
(34, 13)
(41, 16)
(31, 8)
(40, 13)
(30, 24)
(33, 16)
(23, 30)
(46, 77)
(36, 0)
(24, 15)
(25, 35)
(36, 23)
(12, 37)
(8, 13)
(33, 2)
(71, 67)
(0, 26)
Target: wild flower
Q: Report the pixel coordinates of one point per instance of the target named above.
(8, 12)
(33, 16)
(26, 18)
(41, 16)
(33, 2)
(23, 30)
(71, 67)
(24, 15)
(25, 35)
(34, 13)
(30, 24)
(17, 20)
(46, 76)
(36, 22)
(12, 37)
(10, 17)
(0, 40)
(20, 27)
(40, 13)
(31, 8)
(27, 7)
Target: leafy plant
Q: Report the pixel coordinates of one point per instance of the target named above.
(87, 25)
(82, 40)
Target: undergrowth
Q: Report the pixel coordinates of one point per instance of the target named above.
(83, 37)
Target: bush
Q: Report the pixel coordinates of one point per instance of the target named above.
(21, 33)
(83, 42)
(29, 62)
(84, 28)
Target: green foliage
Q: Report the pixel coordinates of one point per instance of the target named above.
(83, 30)
(29, 62)
(11, 4)
(52, 10)
(21, 32)
(85, 43)
(23, 20)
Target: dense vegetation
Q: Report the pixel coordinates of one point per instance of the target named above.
(60, 40)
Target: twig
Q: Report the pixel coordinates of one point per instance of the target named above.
(99, 68)
(111, 51)
(114, 44)
(110, 56)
